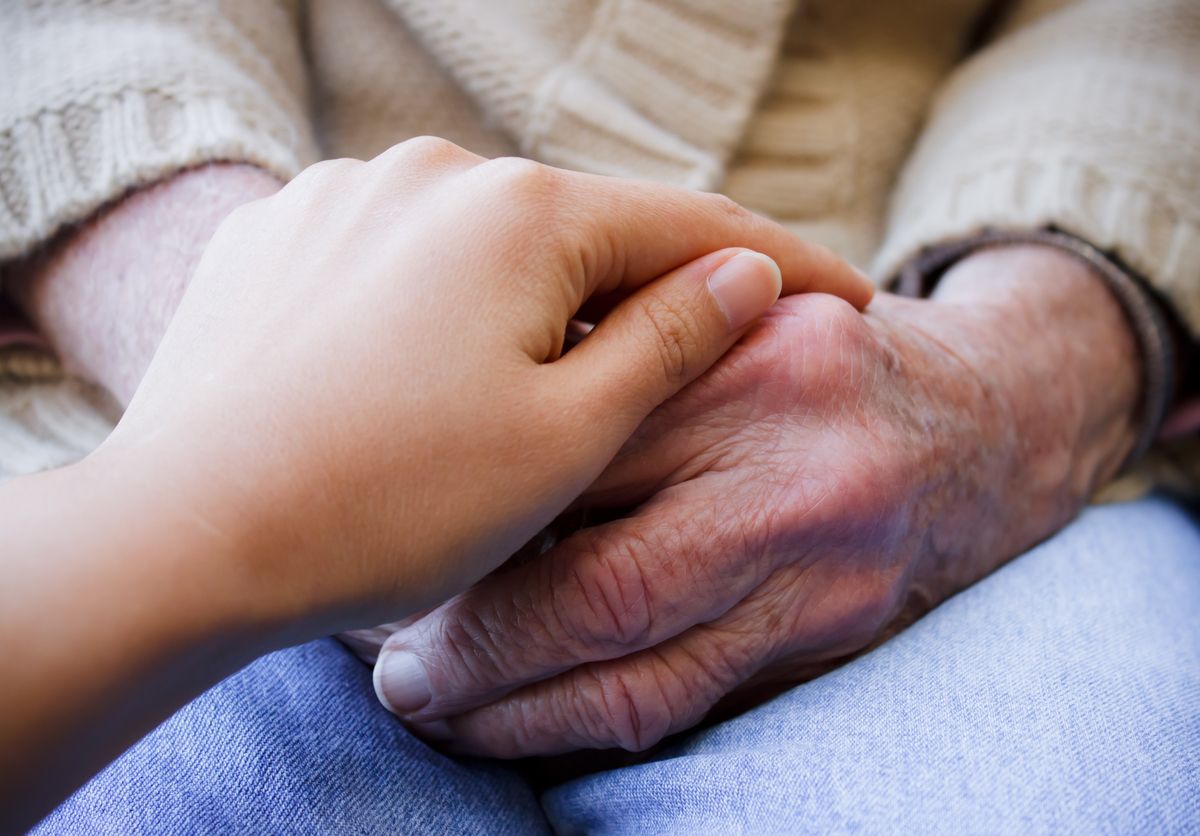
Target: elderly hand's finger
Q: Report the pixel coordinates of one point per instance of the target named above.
(604, 593)
(629, 703)
(799, 617)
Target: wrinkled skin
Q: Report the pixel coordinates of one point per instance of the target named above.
(831, 479)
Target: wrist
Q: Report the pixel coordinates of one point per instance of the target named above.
(228, 573)
(103, 293)
(1029, 378)
(1061, 353)
(155, 499)
(120, 607)
(234, 522)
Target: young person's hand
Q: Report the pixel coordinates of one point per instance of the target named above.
(358, 409)
(362, 386)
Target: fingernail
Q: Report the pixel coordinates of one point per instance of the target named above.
(745, 286)
(400, 682)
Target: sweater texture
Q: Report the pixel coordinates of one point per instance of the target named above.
(875, 127)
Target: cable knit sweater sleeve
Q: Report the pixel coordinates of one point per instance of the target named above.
(1080, 114)
(101, 97)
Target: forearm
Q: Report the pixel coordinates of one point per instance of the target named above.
(121, 616)
(112, 617)
(103, 293)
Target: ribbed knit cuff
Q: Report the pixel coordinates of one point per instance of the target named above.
(1080, 116)
(1154, 237)
(103, 98)
(1148, 319)
(57, 167)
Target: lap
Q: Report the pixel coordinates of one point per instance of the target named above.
(295, 743)
(1060, 694)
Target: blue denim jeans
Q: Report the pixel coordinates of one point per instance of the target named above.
(1061, 694)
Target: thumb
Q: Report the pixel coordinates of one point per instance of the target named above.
(668, 333)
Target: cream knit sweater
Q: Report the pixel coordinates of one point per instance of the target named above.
(874, 126)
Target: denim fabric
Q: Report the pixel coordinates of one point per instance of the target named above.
(1061, 694)
(295, 743)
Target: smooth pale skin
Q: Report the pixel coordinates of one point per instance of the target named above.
(357, 410)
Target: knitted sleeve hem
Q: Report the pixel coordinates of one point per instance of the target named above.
(103, 98)
(135, 139)
(1154, 236)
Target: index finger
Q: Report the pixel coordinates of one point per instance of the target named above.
(645, 229)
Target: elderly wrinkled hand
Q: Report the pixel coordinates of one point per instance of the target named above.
(831, 472)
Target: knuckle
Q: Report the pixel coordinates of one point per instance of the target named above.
(882, 482)
(724, 660)
(625, 710)
(855, 609)
(522, 179)
(828, 346)
(730, 208)
(470, 655)
(677, 335)
(825, 506)
(316, 183)
(423, 151)
(840, 314)
(528, 724)
(823, 319)
(326, 170)
(605, 603)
